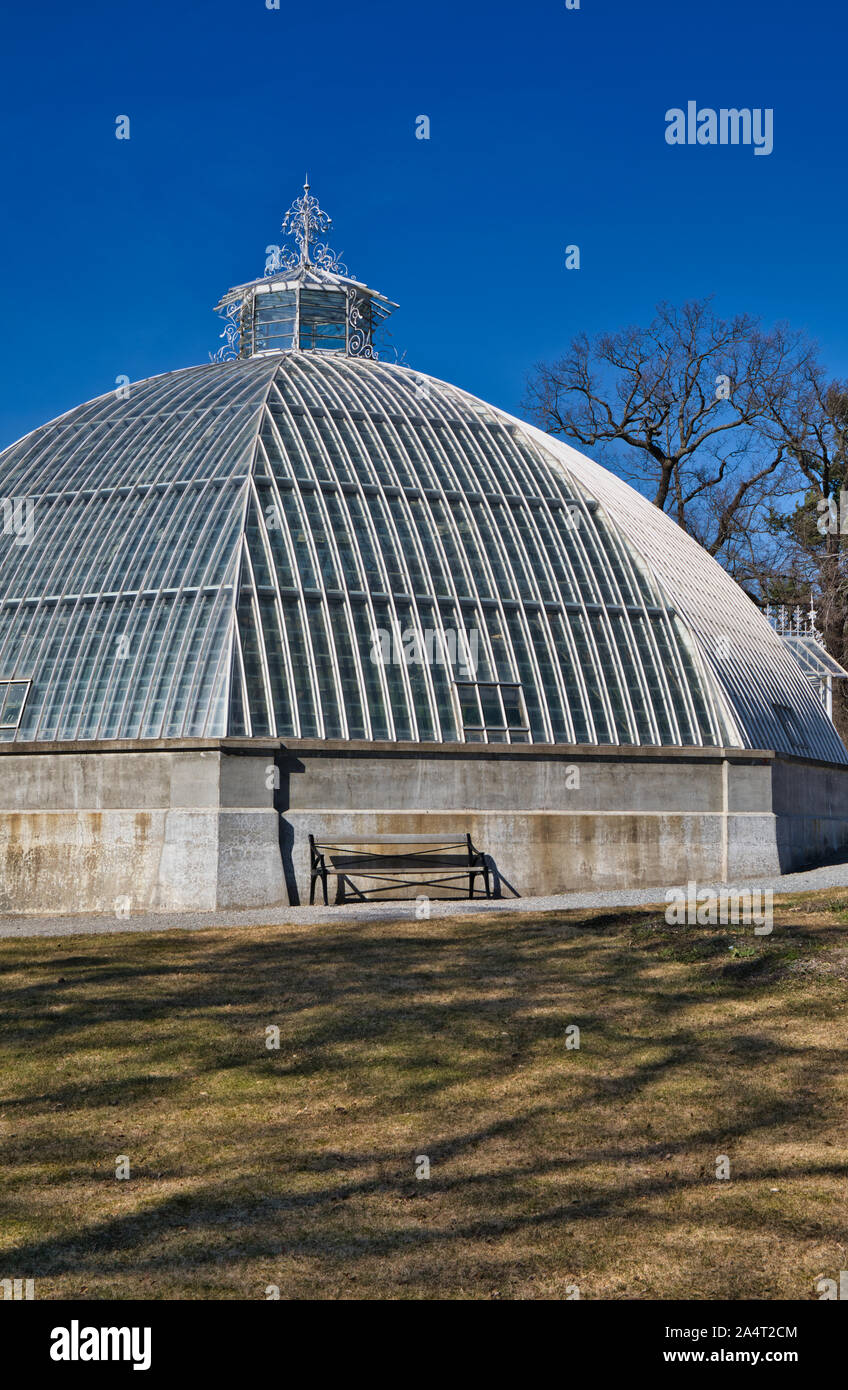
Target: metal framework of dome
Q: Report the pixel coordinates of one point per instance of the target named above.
(304, 542)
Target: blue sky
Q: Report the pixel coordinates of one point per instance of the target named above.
(547, 129)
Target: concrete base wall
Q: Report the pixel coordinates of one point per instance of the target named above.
(130, 831)
(119, 828)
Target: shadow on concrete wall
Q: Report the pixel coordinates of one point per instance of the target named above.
(813, 844)
(287, 764)
(498, 882)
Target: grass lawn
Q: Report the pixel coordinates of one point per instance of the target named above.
(550, 1166)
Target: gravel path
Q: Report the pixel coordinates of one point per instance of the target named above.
(828, 876)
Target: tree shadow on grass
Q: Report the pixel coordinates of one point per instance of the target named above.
(405, 1018)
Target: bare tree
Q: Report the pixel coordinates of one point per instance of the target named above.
(683, 409)
(812, 426)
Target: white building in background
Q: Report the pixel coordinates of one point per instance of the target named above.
(797, 627)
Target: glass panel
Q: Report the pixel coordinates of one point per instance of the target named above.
(387, 622)
(420, 585)
(151, 647)
(569, 671)
(589, 668)
(298, 536)
(256, 549)
(651, 673)
(467, 538)
(109, 629)
(254, 678)
(351, 697)
(298, 654)
(490, 532)
(162, 678)
(534, 550)
(417, 669)
(556, 554)
(559, 724)
(469, 704)
(611, 680)
(369, 662)
(323, 317)
(128, 644)
(373, 574)
(184, 673)
(398, 583)
(327, 691)
(237, 723)
(275, 530)
(205, 712)
(516, 717)
(333, 447)
(527, 677)
(496, 628)
(438, 583)
(342, 535)
(632, 678)
(13, 702)
(288, 454)
(440, 670)
(323, 548)
(490, 703)
(275, 658)
(274, 316)
(444, 527)
(694, 682)
(671, 669)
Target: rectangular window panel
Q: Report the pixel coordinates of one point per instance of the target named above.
(12, 697)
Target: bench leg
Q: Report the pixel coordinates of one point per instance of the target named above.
(312, 878)
(324, 885)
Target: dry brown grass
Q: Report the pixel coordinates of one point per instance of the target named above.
(549, 1167)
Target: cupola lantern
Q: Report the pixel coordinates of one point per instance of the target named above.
(306, 301)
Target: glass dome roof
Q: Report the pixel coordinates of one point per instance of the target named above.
(308, 545)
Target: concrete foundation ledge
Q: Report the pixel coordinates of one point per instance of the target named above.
(203, 825)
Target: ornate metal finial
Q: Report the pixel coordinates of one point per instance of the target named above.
(794, 620)
(305, 221)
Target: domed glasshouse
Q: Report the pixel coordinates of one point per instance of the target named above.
(300, 591)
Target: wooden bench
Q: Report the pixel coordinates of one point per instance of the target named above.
(427, 861)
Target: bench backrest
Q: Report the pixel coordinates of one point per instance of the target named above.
(351, 841)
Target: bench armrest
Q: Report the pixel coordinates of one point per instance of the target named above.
(475, 856)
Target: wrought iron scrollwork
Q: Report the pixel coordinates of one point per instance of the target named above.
(229, 352)
(359, 337)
